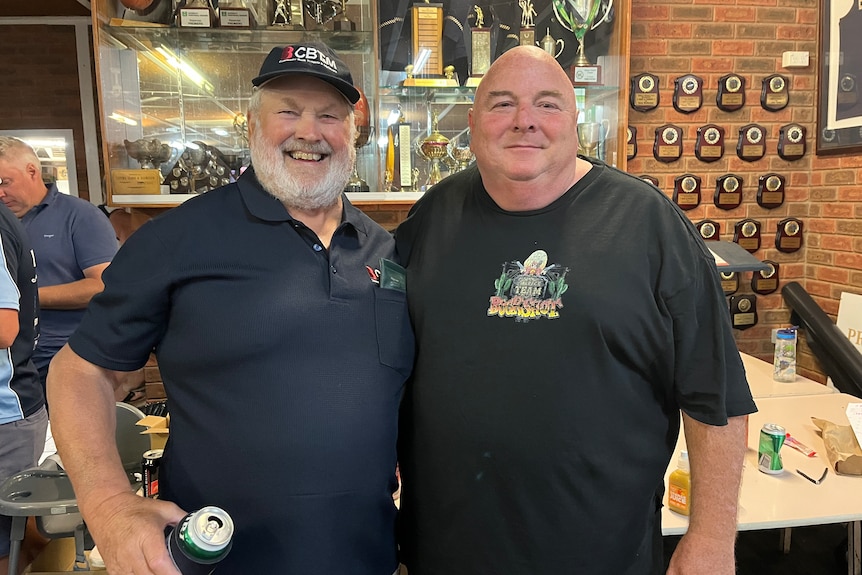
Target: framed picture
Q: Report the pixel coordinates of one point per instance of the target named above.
(839, 94)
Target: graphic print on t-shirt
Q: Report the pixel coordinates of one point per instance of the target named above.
(529, 290)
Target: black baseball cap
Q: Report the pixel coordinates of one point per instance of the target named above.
(312, 59)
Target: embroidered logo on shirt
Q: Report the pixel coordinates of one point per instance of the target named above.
(47, 235)
(373, 274)
(530, 290)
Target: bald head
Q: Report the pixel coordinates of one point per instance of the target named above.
(519, 63)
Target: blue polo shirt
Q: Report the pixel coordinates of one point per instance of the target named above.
(283, 364)
(20, 391)
(68, 235)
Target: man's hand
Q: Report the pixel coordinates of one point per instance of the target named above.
(130, 533)
(700, 555)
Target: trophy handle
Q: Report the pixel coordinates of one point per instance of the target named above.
(562, 45)
(605, 15)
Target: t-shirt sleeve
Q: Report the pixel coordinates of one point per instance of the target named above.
(125, 322)
(709, 378)
(9, 294)
(94, 238)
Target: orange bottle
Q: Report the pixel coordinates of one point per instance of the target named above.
(679, 486)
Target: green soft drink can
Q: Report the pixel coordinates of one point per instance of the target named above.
(768, 457)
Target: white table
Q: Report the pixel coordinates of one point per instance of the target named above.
(759, 374)
(789, 500)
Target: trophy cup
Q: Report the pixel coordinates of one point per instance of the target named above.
(581, 16)
(150, 154)
(588, 138)
(549, 45)
(196, 14)
(460, 153)
(363, 134)
(434, 148)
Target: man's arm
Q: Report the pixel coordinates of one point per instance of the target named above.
(128, 529)
(716, 454)
(74, 295)
(8, 327)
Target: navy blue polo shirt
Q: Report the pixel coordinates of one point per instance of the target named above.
(284, 365)
(68, 235)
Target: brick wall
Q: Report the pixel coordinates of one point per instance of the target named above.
(40, 90)
(711, 38)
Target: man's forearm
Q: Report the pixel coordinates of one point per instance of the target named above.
(83, 422)
(74, 295)
(716, 455)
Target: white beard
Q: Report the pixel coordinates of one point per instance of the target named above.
(296, 191)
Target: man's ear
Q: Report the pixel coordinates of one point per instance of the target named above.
(32, 172)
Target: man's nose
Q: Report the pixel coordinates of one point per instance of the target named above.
(307, 127)
(524, 119)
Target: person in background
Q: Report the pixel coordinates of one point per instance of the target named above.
(282, 349)
(23, 419)
(564, 312)
(71, 238)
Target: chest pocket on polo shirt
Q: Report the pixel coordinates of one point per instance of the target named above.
(395, 344)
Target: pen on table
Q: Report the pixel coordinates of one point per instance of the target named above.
(811, 479)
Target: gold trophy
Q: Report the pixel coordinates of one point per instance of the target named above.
(588, 138)
(480, 48)
(434, 148)
(527, 35)
(461, 154)
(549, 45)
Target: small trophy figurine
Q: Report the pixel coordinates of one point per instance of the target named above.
(528, 33)
(434, 148)
(281, 16)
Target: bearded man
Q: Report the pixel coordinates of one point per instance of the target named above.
(283, 358)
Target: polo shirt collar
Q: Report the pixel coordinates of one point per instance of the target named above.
(266, 207)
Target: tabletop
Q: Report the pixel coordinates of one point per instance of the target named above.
(759, 374)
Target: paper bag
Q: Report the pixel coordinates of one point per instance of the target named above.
(842, 449)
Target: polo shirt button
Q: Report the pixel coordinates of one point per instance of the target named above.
(317, 247)
(335, 271)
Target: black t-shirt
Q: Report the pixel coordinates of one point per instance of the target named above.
(555, 349)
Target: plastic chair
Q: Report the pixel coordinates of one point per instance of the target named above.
(45, 492)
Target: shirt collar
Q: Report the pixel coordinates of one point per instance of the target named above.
(266, 207)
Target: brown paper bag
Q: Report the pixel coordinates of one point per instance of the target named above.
(842, 449)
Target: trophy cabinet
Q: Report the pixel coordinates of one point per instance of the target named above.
(174, 80)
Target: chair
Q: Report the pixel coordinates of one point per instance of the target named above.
(45, 492)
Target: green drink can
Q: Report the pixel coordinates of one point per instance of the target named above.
(768, 457)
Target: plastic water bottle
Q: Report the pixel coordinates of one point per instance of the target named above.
(784, 362)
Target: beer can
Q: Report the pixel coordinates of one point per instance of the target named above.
(200, 540)
(150, 471)
(768, 457)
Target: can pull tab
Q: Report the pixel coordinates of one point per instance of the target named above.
(212, 527)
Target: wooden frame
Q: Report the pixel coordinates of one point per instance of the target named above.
(839, 78)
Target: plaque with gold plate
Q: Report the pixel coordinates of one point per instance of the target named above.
(686, 191)
(751, 145)
(788, 236)
(480, 44)
(848, 91)
(765, 282)
(791, 142)
(688, 93)
(644, 94)
(709, 230)
(427, 21)
(728, 192)
(709, 146)
(729, 282)
(770, 191)
(774, 94)
(196, 14)
(731, 93)
(399, 156)
(650, 179)
(743, 311)
(746, 233)
(667, 147)
(631, 142)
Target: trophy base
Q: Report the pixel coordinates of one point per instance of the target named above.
(344, 25)
(430, 82)
(590, 75)
(356, 185)
(196, 18)
(473, 81)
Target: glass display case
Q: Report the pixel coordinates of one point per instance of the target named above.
(173, 98)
